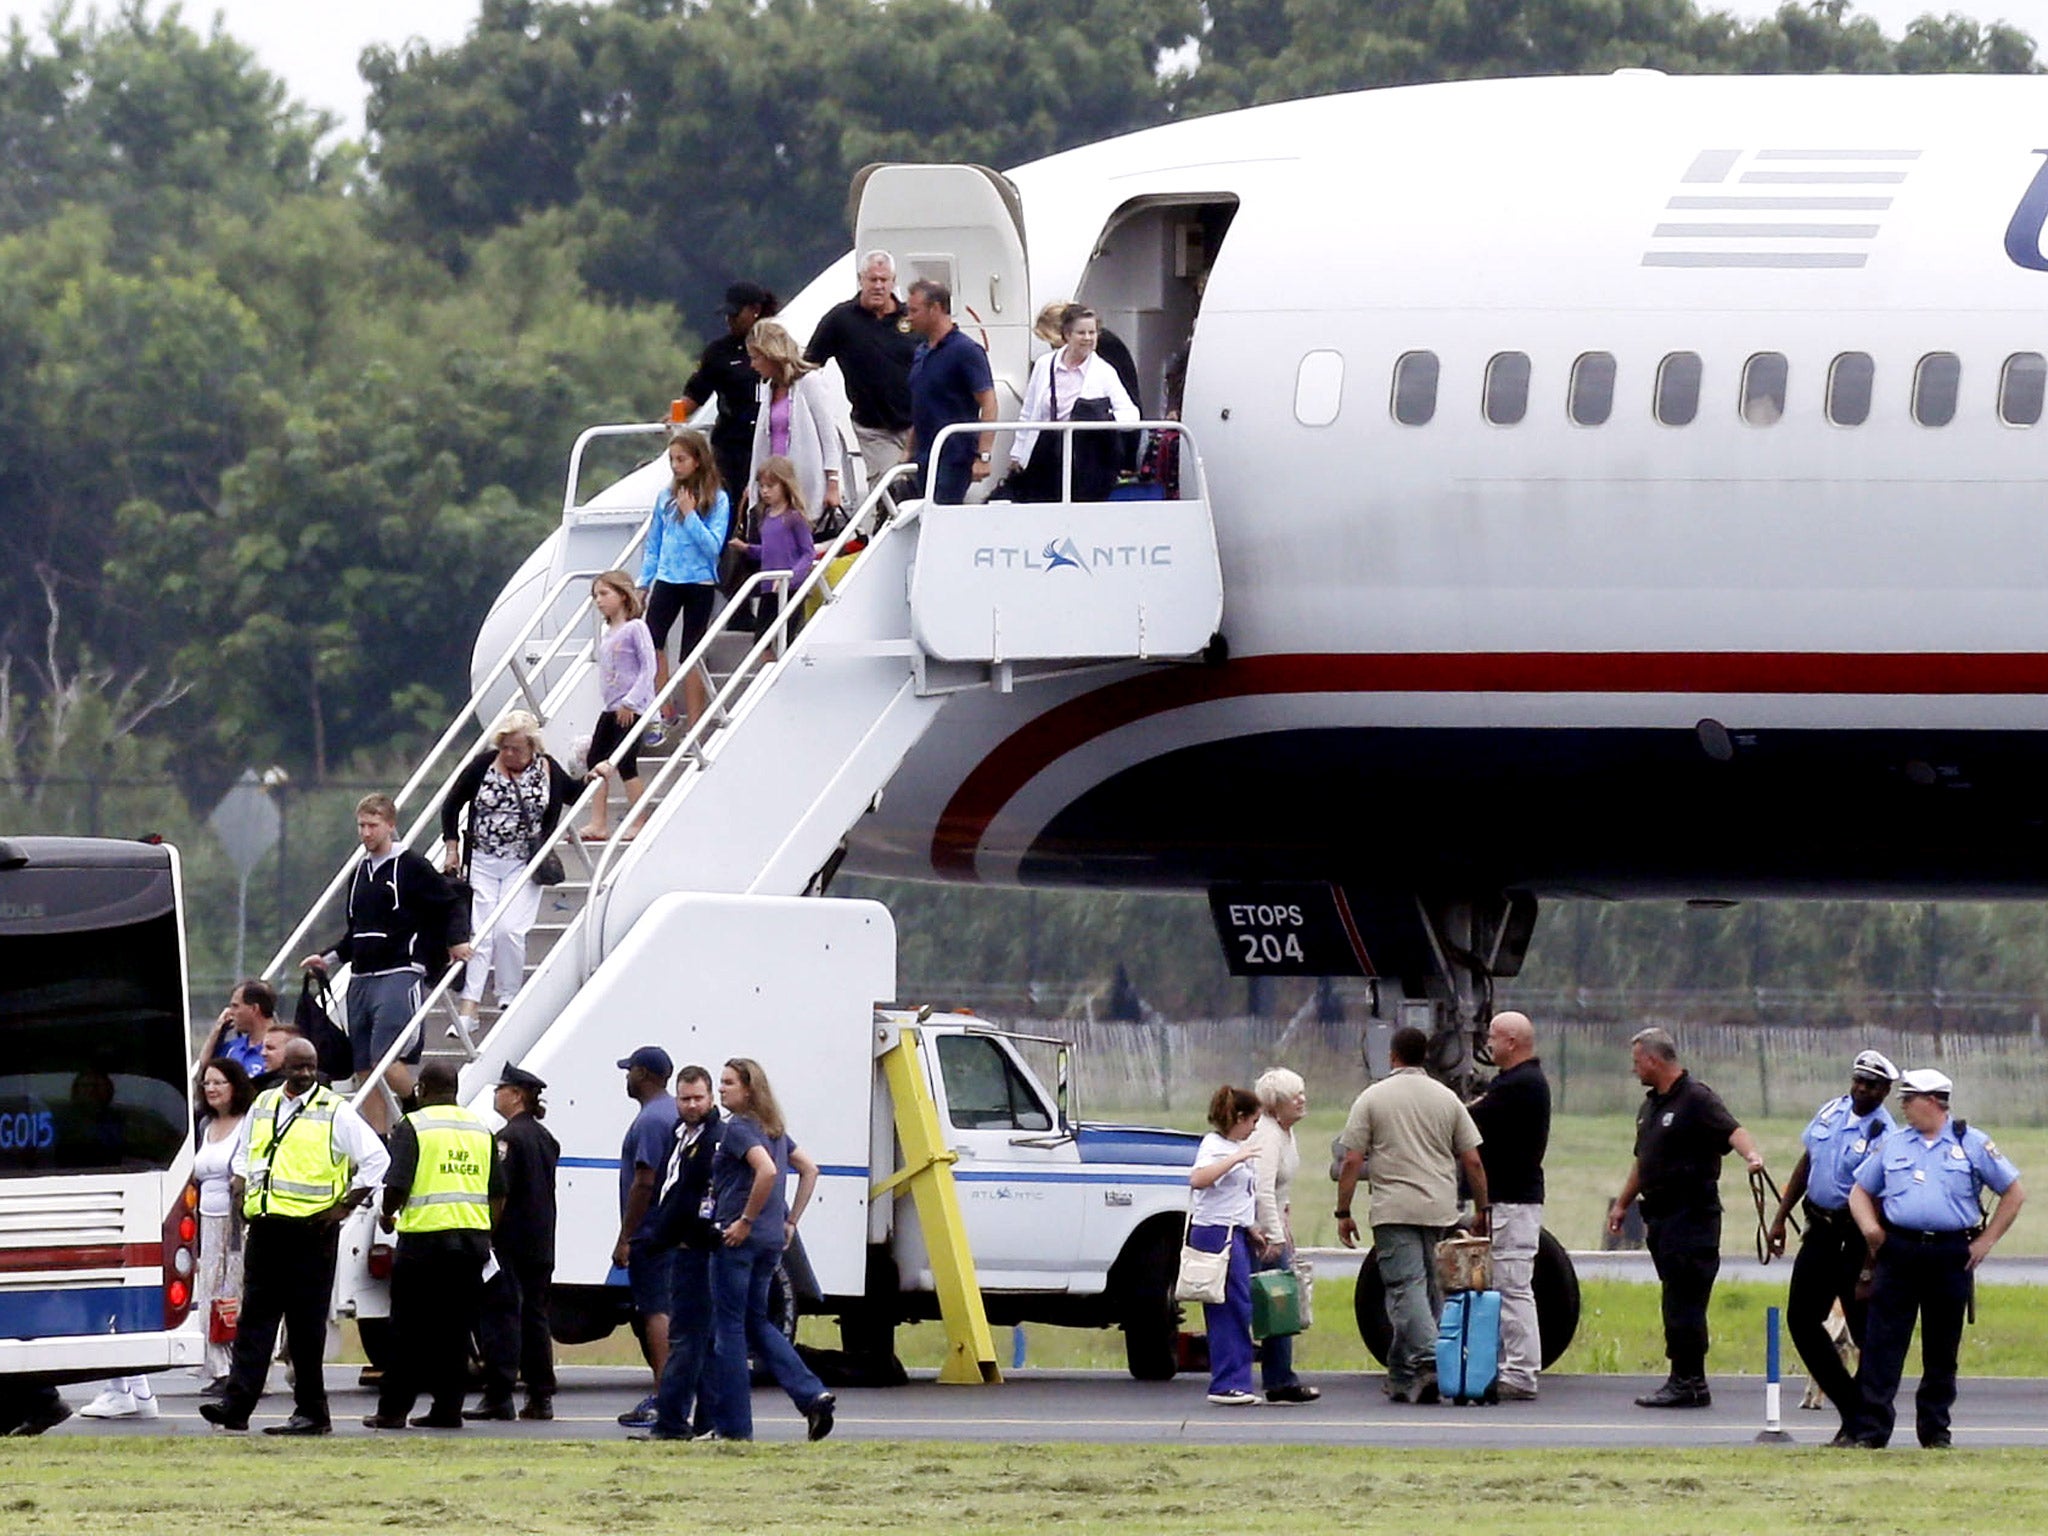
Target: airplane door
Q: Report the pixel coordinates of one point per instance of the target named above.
(964, 226)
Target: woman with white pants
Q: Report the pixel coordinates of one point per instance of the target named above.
(513, 793)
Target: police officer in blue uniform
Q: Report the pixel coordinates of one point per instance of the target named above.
(1916, 1199)
(1831, 1254)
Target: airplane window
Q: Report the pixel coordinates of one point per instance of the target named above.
(1507, 388)
(1592, 391)
(2021, 388)
(1678, 389)
(1763, 389)
(1319, 388)
(1849, 380)
(1415, 375)
(1936, 382)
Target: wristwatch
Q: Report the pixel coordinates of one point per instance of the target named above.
(983, 458)
(1343, 1215)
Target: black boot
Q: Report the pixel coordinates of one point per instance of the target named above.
(1679, 1392)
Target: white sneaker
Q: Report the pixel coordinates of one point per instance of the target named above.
(1233, 1399)
(114, 1404)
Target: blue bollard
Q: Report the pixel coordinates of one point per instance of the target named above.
(1017, 1347)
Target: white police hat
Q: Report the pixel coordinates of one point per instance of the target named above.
(1875, 1064)
(1926, 1080)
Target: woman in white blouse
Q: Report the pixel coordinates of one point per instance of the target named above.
(1072, 372)
(1220, 1218)
(228, 1094)
(1283, 1100)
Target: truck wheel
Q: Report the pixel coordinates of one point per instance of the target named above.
(1555, 1283)
(1369, 1309)
(1151, 1317)
(583, 1314)
(380, 1341)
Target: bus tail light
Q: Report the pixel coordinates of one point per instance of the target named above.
(181, 1255)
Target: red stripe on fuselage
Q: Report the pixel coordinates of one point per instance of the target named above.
(91, 1256)
(1041, 742)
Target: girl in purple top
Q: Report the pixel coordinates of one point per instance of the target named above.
(625, 680)
(786, 542)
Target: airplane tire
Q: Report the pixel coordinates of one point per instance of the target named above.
(1148, 1271)
(1556, 1285)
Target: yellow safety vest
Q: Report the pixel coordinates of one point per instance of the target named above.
(303, 1172)
(451, 1186)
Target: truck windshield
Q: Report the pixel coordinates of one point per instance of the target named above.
(93, 1042)
(984, 1089)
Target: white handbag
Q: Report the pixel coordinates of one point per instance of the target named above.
(1203, 1276)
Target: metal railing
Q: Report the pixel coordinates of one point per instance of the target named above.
(1193, 482)
(512, 662)
(686, 757)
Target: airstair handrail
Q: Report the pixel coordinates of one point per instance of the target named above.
(685, 755)
(508, 661)
(689, 752)
(590, 435)
(1194, 487)
(565, 832)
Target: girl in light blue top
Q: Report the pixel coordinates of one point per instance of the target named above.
(679, 570)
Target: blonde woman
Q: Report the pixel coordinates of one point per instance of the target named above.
(514, 794)
(1283, 1100)
(797, 419)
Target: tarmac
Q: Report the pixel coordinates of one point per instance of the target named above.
(1107, 1407)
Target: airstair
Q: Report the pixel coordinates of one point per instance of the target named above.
(911, 603)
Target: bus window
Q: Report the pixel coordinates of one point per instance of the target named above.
(93, 1034)
(1415, 375)
(1937, 379)
(1507, 388)
(1850, 377)
(1592, 389)
(1678, 389)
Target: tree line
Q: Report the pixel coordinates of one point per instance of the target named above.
(280, 411)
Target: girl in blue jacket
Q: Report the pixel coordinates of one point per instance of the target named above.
(679, 569)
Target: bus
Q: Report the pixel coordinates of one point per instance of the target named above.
(98, 1226)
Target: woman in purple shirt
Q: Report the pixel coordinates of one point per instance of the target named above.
(786, 543)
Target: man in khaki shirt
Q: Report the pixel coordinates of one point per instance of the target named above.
(1409, 1135)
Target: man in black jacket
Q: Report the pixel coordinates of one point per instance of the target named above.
(513, 1329)
(1513, 1114)
(404, 925)
(682, 1221)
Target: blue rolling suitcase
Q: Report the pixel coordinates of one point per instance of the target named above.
(1468, 1348)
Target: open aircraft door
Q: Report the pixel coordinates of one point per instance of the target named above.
(964, 226)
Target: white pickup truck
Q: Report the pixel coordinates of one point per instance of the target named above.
(1068, 1223)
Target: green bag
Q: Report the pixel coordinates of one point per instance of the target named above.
(1276, 1304)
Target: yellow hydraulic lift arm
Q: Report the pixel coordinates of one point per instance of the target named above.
(928, 1170)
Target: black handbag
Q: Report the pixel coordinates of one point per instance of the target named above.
(549, 871)
(314, 1019)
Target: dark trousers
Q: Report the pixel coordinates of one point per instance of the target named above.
(1830, 1257)
(437, 1285)
(682, 1398)
(1686, 1246)
(288, 1278)
(1930, 1279)
(512, 1332)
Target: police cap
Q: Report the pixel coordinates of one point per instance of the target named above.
(1927, 1080)
(519, 1077)
(1876, 1066)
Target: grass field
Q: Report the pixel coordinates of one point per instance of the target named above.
(1589, 1156)
(187, 1487)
